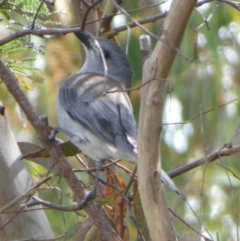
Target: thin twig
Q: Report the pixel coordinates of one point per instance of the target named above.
(131, 180)
(150, 33)
(25, 195)
(57, 31)
(89, 7)
(55, 152)
(125, 169)
(228, 169)
(137, 87)
(203, 113)
(209, 158)
(135, 23)
(37, 201)
(36, 15)
(188, 225)
(93, 169)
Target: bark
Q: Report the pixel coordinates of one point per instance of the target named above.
(156, 68)
(14, 182)
(40, 125)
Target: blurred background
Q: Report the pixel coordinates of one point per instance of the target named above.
(201, 109)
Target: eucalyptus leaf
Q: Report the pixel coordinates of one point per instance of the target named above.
(30, 150)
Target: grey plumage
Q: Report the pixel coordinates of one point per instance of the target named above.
(92, 101)
(102, 123)
(94, 111)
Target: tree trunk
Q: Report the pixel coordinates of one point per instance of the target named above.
(155, 71)
(15, 181)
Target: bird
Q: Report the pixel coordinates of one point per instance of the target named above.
(94, 109)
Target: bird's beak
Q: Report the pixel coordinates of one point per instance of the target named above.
(86, 38)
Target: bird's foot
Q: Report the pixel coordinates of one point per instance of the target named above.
(56, 130)
(91, 195)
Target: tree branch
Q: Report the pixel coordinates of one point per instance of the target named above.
(114, 32)
(55, 152)
(209, 158)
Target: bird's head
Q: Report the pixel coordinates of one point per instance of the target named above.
(106, 58)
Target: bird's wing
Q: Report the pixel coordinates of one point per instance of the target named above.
(94, 102)
(128, 121)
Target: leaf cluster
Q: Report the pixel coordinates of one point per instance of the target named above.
(23, 14)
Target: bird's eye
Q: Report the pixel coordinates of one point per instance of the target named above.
(106, 53)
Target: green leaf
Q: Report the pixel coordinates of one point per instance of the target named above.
(28, 59)
(15, 50)
(21, 67)
(17, 71)
(30, 150)
(27, 86)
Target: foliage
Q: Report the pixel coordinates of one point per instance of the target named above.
(23, 14)
(201, 112)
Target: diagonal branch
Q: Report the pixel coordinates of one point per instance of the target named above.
(55, 152)
(114, 32)
(108, 14)
(209, 158)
